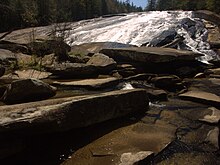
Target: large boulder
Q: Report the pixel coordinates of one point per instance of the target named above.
(27, 74)
(95, 47)
(14, 47)
(150, 54)
(73, 112)
(170, 83)
(28, 90)
(102, 62)
(202, 97)
(164, 38)
(7, 57)
(158, 60)
(72, 70)
(207, 15)
(154, 94)
(45, 47)
(97, 83)
(190, 26)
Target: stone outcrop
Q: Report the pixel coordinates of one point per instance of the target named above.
(133, 138)
(102, 62)
(98, 83)
(208, 15)
(74, 112)
(44, 47)
(213, 117)
(14, 47)
(7, 57)
(27, 74)
(170, 83)
(27, 90)
(95, 47)
(72, 70)
(154, 94)
(164, 38)
(202, 97)
(149, 54)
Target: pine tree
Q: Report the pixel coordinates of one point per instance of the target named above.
(151, 5)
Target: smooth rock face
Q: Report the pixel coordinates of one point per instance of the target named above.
(103, 62)
(149, 54)
(215, 71)
(43, 47)
(212, 118)
(72, 70)
(138, 140)
(95, 47)
(28, 90)
(6, 56)
(170, 83)
(27, 74)
(74, 112)
(213, 137)
(207, 15)
(202, 97)
(98, 83)
(131, 159)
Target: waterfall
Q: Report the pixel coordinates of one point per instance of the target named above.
(141, 28)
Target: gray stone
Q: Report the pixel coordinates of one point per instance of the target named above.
(27, 90)
(164, 38)
(150, 54)
(95, 47)
(98, 83)
(102, 62)
(74, 112)
(133, 158)
(27, 74)
(207, 15)
(72, 70)
(7, 57)
(202, 97)
(170, 83)
(126, 145)
(212, 118)
(213, 137)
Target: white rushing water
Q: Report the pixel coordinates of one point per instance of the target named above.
(138, 29)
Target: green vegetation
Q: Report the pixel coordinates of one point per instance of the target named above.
(212, 5)
(16, 14)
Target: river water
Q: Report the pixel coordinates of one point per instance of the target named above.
(141, 28)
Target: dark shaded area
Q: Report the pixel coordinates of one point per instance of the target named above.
(53, 149)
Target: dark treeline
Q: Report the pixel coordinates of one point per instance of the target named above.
(25, 13)
(212, 5)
